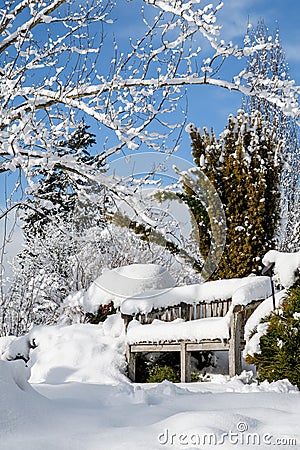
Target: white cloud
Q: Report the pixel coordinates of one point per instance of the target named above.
(234, 17)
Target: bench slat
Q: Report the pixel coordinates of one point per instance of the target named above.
(187, 312)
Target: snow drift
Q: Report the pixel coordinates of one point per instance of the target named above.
(82, 352)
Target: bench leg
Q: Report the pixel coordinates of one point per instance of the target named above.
(131, 361)
(235, 350)
(235, 359)
(185, 364)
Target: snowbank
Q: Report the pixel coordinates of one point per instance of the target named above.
(117, 284)
(247, 382)
(195, 330)
(82, 352)
(286, 268)
(241, 290)
(12, 347)
(21, 406)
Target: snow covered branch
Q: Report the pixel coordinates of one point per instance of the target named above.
(60, 60)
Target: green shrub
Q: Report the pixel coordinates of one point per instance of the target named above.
(166, 366)
(146, 363)
(160, 373)
(280, 346)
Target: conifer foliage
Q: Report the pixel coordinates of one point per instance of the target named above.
(279, 355)
(57, 193)
(244, 167)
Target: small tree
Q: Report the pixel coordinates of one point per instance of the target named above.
(279, 355)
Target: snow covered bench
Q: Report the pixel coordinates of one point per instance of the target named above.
(202, 317)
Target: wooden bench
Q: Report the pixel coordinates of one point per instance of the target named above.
(239, 315)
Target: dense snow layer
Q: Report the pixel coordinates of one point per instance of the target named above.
(12, 347)
(287, 265)
(241, 290)
(117, 284)
(145, 417)
(195, 330)
(15, 373)
(109, 412)
(84, 352)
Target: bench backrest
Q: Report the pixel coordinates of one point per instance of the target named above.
(187, 312)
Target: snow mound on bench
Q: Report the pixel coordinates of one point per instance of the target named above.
(177, 330)
(241, 290)
(114, 285)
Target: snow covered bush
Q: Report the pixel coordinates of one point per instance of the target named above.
(279, 355)
(82, 352)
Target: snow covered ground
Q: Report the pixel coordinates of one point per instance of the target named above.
(74, 395)
(218, 414)
(78, 397)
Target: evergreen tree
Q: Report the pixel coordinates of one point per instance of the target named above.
(270, 63)
(244, 167)
(57, 193)
(55, 220)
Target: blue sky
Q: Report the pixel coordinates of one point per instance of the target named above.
(210, 106)
(207, 105)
